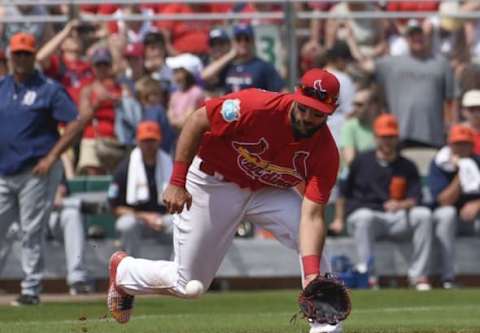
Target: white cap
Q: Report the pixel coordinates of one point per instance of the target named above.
(471, 98)
(447, 22)
(188, 61)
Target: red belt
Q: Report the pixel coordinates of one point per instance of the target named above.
(205, 168)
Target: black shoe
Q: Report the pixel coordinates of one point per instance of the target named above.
(80, 288)
(26, 300)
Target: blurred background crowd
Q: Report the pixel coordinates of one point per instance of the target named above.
(418, 61)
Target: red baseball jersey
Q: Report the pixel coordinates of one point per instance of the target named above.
(251, 143)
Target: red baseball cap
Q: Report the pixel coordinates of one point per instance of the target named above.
(318, 90)
(23, 41)
(149, 130)
(461, 133)
(135, 50)
(386, 125)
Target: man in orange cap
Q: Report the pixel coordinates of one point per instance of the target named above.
(382, 192)
(135, 192)
(244, 153)
(454, 182)
(32, 107)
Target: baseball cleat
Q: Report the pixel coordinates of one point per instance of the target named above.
(120, 304)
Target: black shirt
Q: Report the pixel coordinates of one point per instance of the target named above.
(117, 192)
(367, 184)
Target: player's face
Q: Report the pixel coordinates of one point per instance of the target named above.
(23, 62)
(307, 121)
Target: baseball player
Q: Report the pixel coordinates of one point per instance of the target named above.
(31, 108)
(239, 158)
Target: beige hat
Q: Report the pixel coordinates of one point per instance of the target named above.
(471, 98)
(447, 22)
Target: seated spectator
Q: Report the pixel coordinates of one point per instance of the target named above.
(471, 113)
(67, 224)
(454, 182)
(147, 104)
(134, 55)
(135, 192)
(101, 96)
(383, 194)
(189, 96)
(155, 54)
(241, 68)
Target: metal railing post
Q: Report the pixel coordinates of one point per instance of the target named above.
(292, 50)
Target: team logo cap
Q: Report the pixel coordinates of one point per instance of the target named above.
(318, 89)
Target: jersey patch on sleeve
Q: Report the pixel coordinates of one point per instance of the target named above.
(230, 110)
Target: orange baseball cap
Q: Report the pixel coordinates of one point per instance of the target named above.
(23, 41)
(386, 125)
(461, 133)
(148, 130)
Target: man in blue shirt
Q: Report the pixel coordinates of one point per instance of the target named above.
(31, 109)
(241, 68)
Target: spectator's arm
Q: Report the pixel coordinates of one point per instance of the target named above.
(213, 69)
(367, 64)
(348, 154)
(43, 55)
(450, 195)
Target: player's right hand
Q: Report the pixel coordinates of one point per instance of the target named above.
(176, 198)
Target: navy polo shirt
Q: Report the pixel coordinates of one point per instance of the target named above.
(29, 116)
(368, 181)
(255, 73)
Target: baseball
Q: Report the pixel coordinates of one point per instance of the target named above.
(194, 288)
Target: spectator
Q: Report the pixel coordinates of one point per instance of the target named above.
(132, 31)
(69, 67)
(66, 223)
(220, 44)
(42, 31)
(135, 192)
(383, 191)
(102, 97)
(471, 113)
(406, 80)
(357, 133)
(32, 108)
(454, 182)
(148, 104)
(135, 56)
(369, 34)
(242, 68)
(155, 55)
(338, 57)
(189, 96)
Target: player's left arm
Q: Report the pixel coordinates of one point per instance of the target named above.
(311, 238)
(63, 110)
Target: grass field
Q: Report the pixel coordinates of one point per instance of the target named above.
(392, 311)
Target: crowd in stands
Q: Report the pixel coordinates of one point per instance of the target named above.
(405, 83)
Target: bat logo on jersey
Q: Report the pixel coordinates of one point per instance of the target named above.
(230, 110)
(252, 164)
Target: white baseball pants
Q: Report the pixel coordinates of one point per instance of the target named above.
(203, 235)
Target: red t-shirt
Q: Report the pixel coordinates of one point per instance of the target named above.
(73, 75)
(251, 143)
(104, 115)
